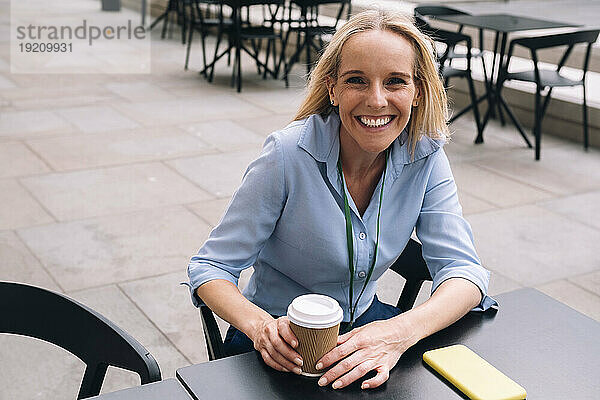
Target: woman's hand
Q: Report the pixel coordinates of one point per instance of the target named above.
(375, 346)
(275, 341)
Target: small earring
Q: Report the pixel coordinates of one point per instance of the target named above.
(332, 102)
(416, 104)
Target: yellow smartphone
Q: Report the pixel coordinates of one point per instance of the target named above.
(472, 375)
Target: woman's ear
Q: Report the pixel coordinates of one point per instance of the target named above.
(418, 95)
(330, 89)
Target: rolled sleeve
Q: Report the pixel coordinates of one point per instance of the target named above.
(234, 244)
(446, 237)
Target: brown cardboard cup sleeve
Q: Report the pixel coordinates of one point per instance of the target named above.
(315, 320)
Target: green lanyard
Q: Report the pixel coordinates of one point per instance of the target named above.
(349, 235)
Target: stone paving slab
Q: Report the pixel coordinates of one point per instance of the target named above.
(210, 211)
(25, 124)
(93, 119)
(117, 148)
(219, 174)
(563, 171)
(119, 248)
(112, 190)
(584, 208)
(19, 208)
(495, 189)
(590, 282)
(20, 265)
(17, 160)
(225, 135)
(532, 245)
(174, 315)
(574, 296)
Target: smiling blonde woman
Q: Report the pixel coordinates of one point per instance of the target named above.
(341, 189)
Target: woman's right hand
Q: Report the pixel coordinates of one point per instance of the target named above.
(275, 341)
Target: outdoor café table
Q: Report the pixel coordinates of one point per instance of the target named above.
(502, 24)
(236, 44)
(547, 347)
(168, 389)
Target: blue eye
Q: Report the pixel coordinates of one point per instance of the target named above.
(355, 80)
(396, 81)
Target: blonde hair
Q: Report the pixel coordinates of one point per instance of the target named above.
(430, 118)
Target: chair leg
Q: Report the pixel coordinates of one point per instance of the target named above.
(479, 138)
(92, 381)
(189, 45)
(585, 121)
(238, 56)
(269, 41)
(537, 127)
(203, 38)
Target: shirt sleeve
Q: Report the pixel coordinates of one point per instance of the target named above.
(234, 244)
(446, 237)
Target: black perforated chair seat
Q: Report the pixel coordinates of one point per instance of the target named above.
(548, 78)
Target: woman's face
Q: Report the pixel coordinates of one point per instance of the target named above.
(375, 88)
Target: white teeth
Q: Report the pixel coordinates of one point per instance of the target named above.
(374, 123)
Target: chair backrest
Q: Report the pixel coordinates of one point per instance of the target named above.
(561, 39)
(435, 10)
(410, 265)
(312, 8)
(55, 318)
(569, 39)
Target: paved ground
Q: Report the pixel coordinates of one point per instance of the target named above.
(109, 183)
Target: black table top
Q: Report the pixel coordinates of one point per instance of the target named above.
(168, 389)
(503, 22)
(548, 348)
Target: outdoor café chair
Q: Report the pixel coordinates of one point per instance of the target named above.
(548, 78)
(410, 265)
(449, 40)
(178, 8)
(310, 31)
(39, 313)
(435, 10)
(207, 15)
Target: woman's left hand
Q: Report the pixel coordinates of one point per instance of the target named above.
(375, 346)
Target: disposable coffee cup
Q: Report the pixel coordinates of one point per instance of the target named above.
(315, 320)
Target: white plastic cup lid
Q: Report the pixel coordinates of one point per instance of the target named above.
(315, 311)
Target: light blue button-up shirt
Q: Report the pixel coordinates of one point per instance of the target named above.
(287, 220)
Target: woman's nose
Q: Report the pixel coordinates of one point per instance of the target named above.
(376, 97)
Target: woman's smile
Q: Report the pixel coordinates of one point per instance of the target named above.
(375, 121)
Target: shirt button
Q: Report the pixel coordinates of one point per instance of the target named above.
(362, 236)
(362, 274)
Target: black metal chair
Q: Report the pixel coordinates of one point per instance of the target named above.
(310, 31)
(450, 39)
(410, 265)
(42, 314)
(546, 78)
(178, 8)
(435, 10)
(207, 15)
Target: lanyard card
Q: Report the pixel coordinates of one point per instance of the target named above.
(472, 375)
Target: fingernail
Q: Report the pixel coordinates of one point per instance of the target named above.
(365, 386)
(322, 382)
(319, 366)
(294, 343)
(336, 385)
(297, 371)
(298, 361)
